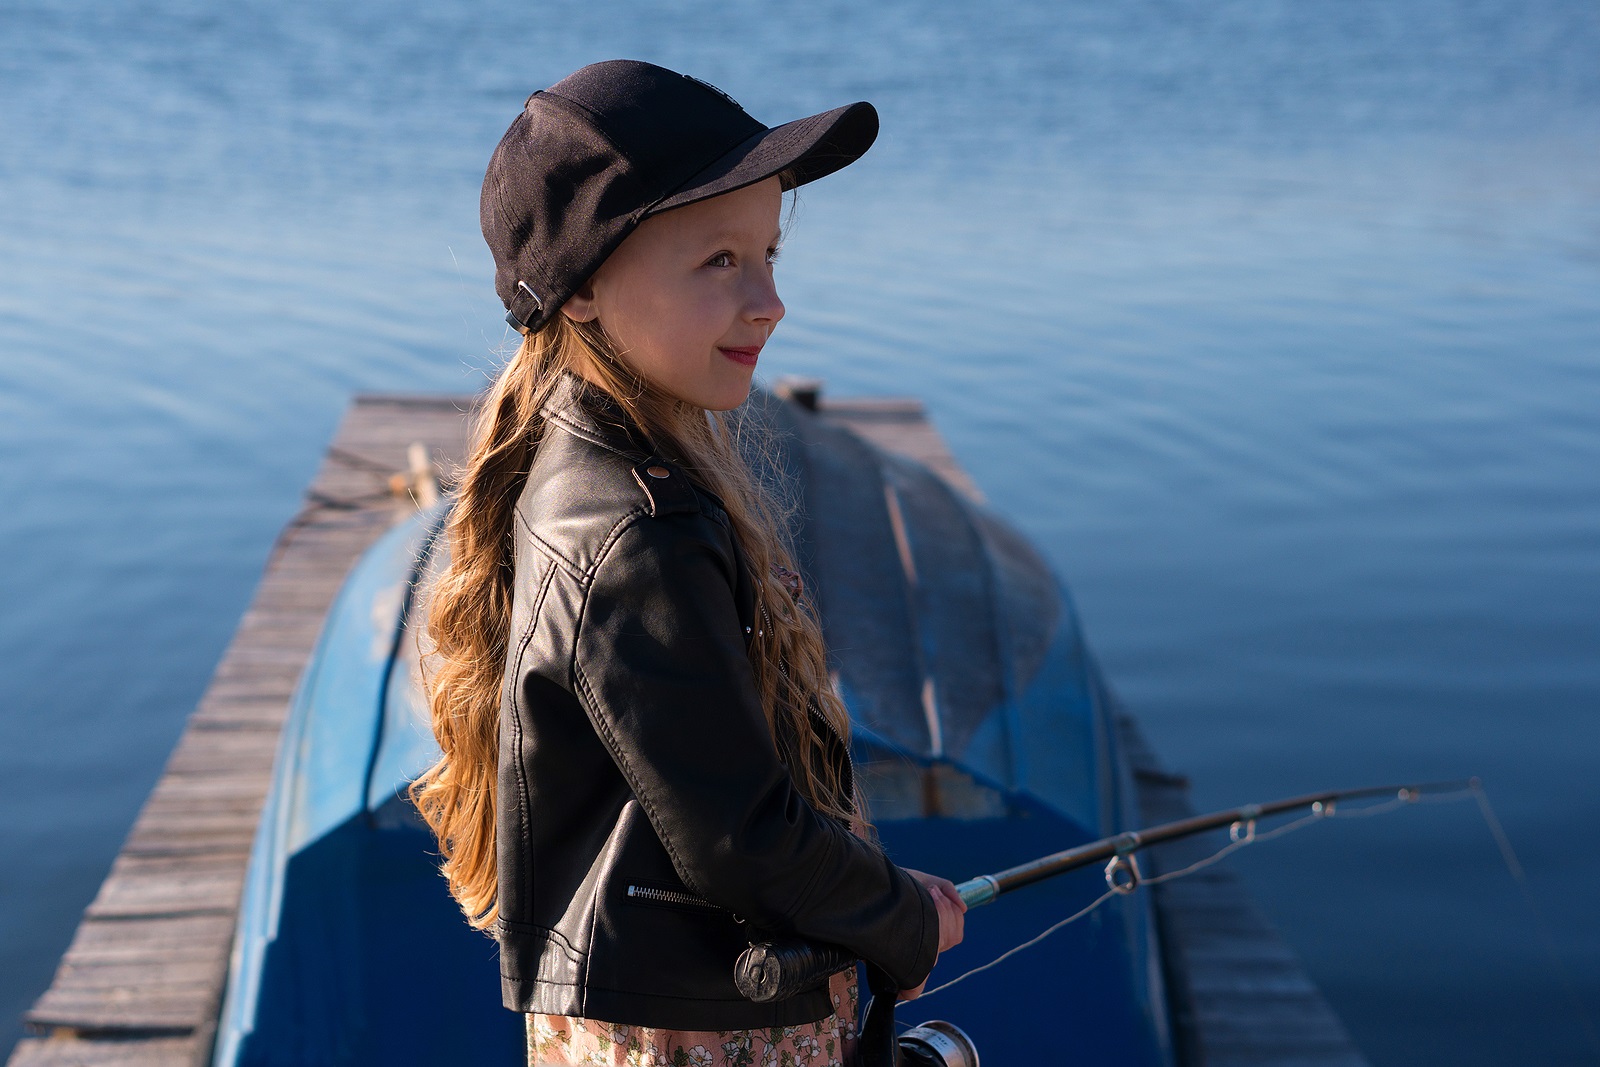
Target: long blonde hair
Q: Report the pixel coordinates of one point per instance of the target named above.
(469, 604)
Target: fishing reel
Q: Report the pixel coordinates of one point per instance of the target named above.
(937, 1043)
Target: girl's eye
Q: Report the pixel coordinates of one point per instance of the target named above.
(773, 253)
(721, 259)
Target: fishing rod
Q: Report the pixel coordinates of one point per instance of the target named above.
(775, 970)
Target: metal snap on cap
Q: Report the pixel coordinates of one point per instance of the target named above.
(658, 472)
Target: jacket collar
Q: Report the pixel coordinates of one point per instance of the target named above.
(585, 411)
(589, 413)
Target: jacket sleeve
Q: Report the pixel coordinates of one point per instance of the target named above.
(661, 669)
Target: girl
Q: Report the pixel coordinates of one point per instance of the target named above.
(645, 767)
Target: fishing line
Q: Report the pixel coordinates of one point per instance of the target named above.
(1101, 899)
(1250, 837)
(1241, 834)
(1520, 876)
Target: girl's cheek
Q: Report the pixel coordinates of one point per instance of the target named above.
(713, 301)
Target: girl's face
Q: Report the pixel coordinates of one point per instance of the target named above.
(688, 297)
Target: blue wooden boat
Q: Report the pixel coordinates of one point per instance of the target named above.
(983, 732)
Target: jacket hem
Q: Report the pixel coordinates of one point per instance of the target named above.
(664, 1012)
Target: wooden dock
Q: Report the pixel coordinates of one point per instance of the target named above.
(141, 983)
(1237, 992)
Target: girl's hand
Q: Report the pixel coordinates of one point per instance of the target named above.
(952, 917)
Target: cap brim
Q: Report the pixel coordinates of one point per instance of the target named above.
(811, 148)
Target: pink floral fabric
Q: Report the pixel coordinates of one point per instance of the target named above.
(563, 1041)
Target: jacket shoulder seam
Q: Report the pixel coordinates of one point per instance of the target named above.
(625, 522)
(533, 616)
(547, 549)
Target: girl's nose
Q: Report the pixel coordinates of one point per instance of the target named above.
(761, 300)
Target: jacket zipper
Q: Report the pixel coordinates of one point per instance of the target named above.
(670, 896)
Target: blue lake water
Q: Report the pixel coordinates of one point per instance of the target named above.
(1277, 325)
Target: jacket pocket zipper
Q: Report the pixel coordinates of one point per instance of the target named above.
(670, 896)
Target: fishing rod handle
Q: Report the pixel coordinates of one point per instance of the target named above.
(776, 970)
(979, 890)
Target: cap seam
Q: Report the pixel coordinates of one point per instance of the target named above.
(501, 201)
(593, 119)
(556, 301)
(599, 127)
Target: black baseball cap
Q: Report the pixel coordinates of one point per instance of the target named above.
(612, 144)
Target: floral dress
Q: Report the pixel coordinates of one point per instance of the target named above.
(830, 1042)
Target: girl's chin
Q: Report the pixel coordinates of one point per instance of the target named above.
(730, 399)
(723, 396)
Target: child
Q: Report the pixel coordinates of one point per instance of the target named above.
(645, 767)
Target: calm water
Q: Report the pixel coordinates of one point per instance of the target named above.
(1277, 325)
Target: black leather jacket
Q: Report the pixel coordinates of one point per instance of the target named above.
(647, 828)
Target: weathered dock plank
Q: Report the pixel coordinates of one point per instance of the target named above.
(74, 1051)
(152, 975)
(169, 886)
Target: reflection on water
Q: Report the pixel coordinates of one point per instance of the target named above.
(1274, 324)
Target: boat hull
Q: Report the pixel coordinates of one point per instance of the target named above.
(982, 734)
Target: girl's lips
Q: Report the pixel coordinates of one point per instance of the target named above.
(744, 356)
